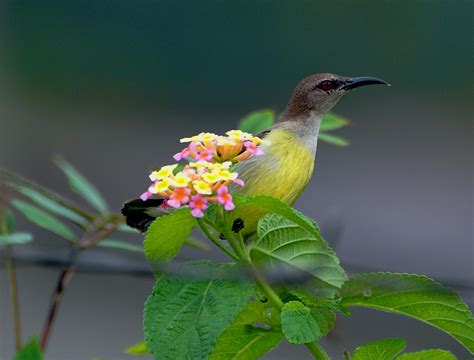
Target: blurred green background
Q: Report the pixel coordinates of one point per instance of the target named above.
(113, 85)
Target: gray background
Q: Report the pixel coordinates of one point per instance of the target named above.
(112, 86)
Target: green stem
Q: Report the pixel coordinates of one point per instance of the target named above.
(216, 242)
(317, 351)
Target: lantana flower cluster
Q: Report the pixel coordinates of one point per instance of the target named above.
(206, 176)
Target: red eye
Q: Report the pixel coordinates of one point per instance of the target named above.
(326, 85)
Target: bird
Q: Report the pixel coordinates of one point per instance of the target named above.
(287, 164)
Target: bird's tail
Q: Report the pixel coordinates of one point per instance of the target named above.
(140, 214)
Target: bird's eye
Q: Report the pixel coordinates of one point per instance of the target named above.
(326, 85)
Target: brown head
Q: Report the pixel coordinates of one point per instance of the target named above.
(318, 93)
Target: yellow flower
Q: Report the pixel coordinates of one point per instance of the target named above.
(200, 164)
(226, 175)
(210, 178)
(181, 180)
(202, 187)
(238, 135)
(161, 186)
(164, 172)
(202, 137)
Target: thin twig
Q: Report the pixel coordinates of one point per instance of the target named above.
(62, 282)
(12, 280)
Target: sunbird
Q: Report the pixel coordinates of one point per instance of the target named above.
(286, 166)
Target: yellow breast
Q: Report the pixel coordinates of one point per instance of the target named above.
(283, 172)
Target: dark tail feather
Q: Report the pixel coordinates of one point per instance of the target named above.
(140, 214)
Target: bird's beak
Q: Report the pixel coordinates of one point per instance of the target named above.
(362, 81)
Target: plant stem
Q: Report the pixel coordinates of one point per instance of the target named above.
(315, 350)
(11, 269)
(216, 242)
(62, 282)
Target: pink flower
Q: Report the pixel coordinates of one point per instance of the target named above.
(198, 204)
(239, 182)
(182, 154)
(225, 198)
(145, 196)
(179, 197)
(205, 155)
(252, 148)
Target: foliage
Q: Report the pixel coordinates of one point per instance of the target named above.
(31, 351)
(231, 311)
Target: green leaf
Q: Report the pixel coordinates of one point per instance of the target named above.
(257, 121)
(302, 324)
(415, 296)
(333, 139)
(284, 244)
(30, 351)
(10, 219)
(185, 316)
(120, 244)
(15, 239)
(82, 186)
(385, 349)
(166, 235)
(244, 340)
(332, 121)
(428, 355)
(44, 220)
(278, 207)
(127, 229)
(50, 205)
(137, 349)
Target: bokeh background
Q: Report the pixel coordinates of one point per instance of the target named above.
(113, 85)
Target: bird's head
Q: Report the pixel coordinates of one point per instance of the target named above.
(318, 93)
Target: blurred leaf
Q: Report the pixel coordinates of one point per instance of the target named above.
(184, 316)
(44, 220)
(10, 219)
(243, 339)
(332, 121)
(284, 244)
(15, 239)
(166, 235)
(385, 349)
(302, 324)
(50, 205)
(82, 186)
(415, 296)
(127, 229)
(257, 121)
(428, 355)
(31, 351)
(122, 245)
(333, 139)
(137, 349)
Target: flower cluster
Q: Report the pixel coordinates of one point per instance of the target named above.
(207, 175)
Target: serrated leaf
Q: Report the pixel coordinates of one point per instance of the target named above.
(282, 243)
(301, 324)
(243, 340)
(30, 351)
(137, 349)
(428, 355)
(15, 239)
(278, 207)
(82, 186)
(185, 316)
(385, 349)
(50, 205)
(415, 296)
(120, 244)
(257, 121)
(166, 235)
(332, 139)
(44, 220)
(332, 121)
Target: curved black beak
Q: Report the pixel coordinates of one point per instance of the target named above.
(363, 81)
